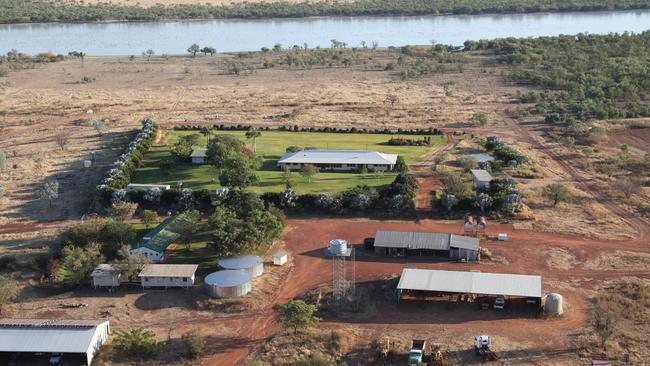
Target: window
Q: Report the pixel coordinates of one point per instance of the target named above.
(184, 279)
(146, 279)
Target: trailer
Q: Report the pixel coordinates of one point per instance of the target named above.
(482, 345)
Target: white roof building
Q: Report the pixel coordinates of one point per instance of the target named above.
(168, 275)
(81, 337)
(470, 282)
(339, 159)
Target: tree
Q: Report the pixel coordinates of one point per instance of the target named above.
(628, 186)
(455, 186)
(483, 201)
(187, 224)
(480, 119)
(62, 139)
(468, 163)
(625, 149)
(182, 148)
(253, 133)
(225, 229)
(136, 341)
(239, 171)
(400, 165)
(207, 132)
(148, 217)
(48, 191)
(209, 50)
(99, 126)
(166, 165)
(193, 49)
(123, 211)
(8, 291)
(114, 235)
(149, 53)
(449, 201)
(308, 171)
(604, 325)
(297, 315)
(556, 193)
(194, 343)
(439, 159)
(364, 171)
(131, 264)
(77, 263)
(287, 177)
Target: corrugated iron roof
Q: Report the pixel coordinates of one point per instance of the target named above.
(481, 175)
(168, 270)
(471, 282)
(199, 153)
(423, 240)
(160, 237)
(481, 158)
(338, 157)
(106, 269)
(47, 335)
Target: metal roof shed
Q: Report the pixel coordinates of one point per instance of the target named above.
(471, 282)
(83, 337)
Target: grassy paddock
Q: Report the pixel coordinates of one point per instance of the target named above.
(271, 145)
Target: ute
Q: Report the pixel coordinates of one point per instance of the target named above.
(482, 345)
(499, 302)
(416, 354)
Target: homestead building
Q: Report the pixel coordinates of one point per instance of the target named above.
(339, 160)
(168, 275)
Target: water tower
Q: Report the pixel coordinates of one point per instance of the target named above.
(341, 252)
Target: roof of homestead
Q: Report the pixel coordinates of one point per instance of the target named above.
(424, 240)
(199, 153)
(471, 282)
(168, 270)
(160, 237)
(338, 157)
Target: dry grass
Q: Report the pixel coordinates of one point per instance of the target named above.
(149, 3)
(619, 260)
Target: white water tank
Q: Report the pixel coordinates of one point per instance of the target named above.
(338, 247)
(554, 304)
(87, 164)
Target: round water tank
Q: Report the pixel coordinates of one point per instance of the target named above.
(252, 264)
(554, 304)
(228, 283)
(338, 247)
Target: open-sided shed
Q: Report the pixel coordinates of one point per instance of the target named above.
(411, 243)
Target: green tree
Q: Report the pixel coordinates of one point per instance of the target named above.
(483, 201)
(131, 264)
(625, 149)
(480, 119)
(8, 291)
(455, 186)
(207, 132)
(149, 53)
(253, 133)
(210, 50)
(77, 263)
(194, 343)
(225, 232)
(182, 148)
(287, 177)
(187, 224)
(114, 235)
(48, 191)
(308, 171)
(194, 49)
(297, 315)
(148, 217)
(136, 341)
(3, 159)
(239, 171)
(400, 165)
(99, 126)
(449, 201)
(556, 193)
(166, 165)
(122, 210)
(468, 163)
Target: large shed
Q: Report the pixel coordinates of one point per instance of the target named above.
(250, 263)
(168, 275)
(411, 243)
(477, 283)
(229, 283)
(77, 338)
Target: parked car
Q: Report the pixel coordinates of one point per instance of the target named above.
(55, 359)
(499, 302)
(369, 243)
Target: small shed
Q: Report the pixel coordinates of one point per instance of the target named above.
(481, 178)
(168, 275)
(280, 258)
(229, 283)
(250, 263)
(145, 187)
(199, 156)
(106, 275)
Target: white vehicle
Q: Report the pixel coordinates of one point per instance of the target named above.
(55, 359)
(482, 345)
(499, 302)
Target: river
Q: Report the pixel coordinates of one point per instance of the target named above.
(174, 37)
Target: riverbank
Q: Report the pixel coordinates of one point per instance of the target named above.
(52, 11)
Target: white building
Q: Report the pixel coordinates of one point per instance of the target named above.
(280, 258)
(106, 275)
(72, 339)
(154, 244)
(199, 156)
(168, 275)
(481, 178)
(339, 160)
(145, 187)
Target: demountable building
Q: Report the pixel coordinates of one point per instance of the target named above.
(229, 283)
(481, 178)
(168, 275)
(280, 258)
(199, 156)
(71, 338)
(106, 275)
(249, 263)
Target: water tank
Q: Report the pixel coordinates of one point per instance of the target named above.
(482, 223)
(252, 264)
(87, 164)
(554, 304)
(338, 247)
(229, 283)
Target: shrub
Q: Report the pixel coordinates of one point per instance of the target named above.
(8, 263)
(194, 343)
(136, 341)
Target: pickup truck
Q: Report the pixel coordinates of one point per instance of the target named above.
(499, 302)
(416, 354)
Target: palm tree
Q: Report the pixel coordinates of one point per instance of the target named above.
(253, 133)
(207, 132)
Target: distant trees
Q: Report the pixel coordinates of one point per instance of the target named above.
(182, 148)
(628, 186)
(480, 119)
(210, 50)
(556, 193)
(149, 53)
(297, 315)
(194, 49)
(309, 171)
(48, 191)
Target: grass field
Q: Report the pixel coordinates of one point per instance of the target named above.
(271, 145)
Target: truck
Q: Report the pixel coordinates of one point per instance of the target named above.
(416, 354)
(499, 302)
(482, 345)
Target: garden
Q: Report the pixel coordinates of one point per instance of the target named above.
(270, 146)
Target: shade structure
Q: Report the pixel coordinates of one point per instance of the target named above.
(249, 263)
(228, 283)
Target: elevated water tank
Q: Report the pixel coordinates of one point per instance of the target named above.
(338, 247)
(230, 283)
(252, 264)
(554, 304)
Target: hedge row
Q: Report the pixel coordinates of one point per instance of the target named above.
(296, 128)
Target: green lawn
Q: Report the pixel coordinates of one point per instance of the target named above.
(271, 145)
